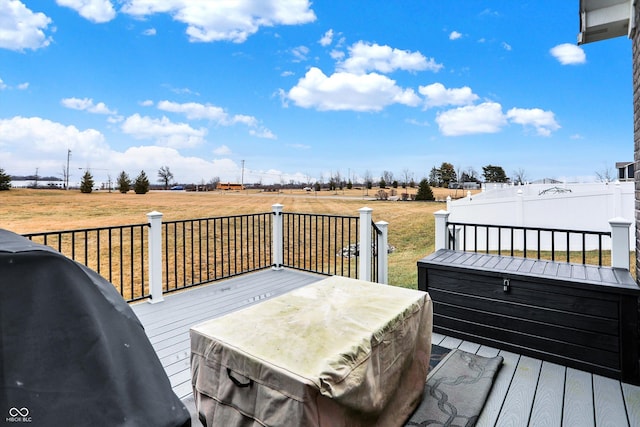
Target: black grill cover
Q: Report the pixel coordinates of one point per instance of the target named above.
(72, 352)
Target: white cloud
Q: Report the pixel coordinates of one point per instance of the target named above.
(472, 119)
(506, 46)
(3, 86)
(417, 123)
(287, 73)
(185, 169)
(146, 103)
(43, 144)
(327, 38)
(365, 57)
(568, 54)
(346, 91)
(163, 131)
(543, 121)
(489, 118)
(150, 32)
(23, 86)
(34, 136)
(262, 133)
(233, 21)
(437, 95)
(86, 104)
(454, 35)
(196, 111)
(337, 54)
(300, 53)
(223, 150)
(20, 28)
(98, 11)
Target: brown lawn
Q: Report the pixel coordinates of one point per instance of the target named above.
(410, 223)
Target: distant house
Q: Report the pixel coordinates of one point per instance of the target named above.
(229, 186)
(546, 181)
(625, 171)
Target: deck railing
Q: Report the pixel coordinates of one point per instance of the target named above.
(198, 251)
(147, 260)
(577, 246)
(117, 253)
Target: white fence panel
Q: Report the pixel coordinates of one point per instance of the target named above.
(584, 207)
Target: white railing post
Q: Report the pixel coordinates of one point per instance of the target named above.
(620, 246)
(383, 252)
(155, 256)
(442, 229)
(277, 241)
(365, 243)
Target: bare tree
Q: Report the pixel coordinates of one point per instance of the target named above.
(165, 176)
(604, 175)
(387, 176)
(519, 176)
(407, 176)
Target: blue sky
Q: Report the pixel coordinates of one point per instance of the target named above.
(300, 91)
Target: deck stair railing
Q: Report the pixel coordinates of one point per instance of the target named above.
(577, 246)
(150, 259)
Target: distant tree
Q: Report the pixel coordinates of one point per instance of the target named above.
(407, 176)
(470, 175)
(424, 191)
(5, 181)
(394, 184)
(141, 183)
(124, 182)
(604, 175)
(368, 180)
(520, 176)
(387, 176)
(317, 186)
(349, 185)
(383, 183)
(447, 174)
(165, 176)
(86, 182)
(494, 174)
(434, 177)
(213, 182)
(412, 183)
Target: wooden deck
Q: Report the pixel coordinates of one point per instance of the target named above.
(527, 391)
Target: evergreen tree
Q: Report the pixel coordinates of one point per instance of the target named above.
(493, 173)
(86, 183)
(424, 191)
(5, 181)
(124, 182)
(141, 184)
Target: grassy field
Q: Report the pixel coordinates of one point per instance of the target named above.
(411, 225)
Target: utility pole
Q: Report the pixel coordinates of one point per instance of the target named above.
(242, 177)
(66, 176)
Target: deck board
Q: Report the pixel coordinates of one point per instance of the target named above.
(547, 406)
(167, 323)
(519, 401)
(526, 391)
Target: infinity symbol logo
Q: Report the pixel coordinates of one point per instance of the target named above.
(14, 412)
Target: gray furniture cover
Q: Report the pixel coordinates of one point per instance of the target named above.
(72, 352)
(339, 352)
